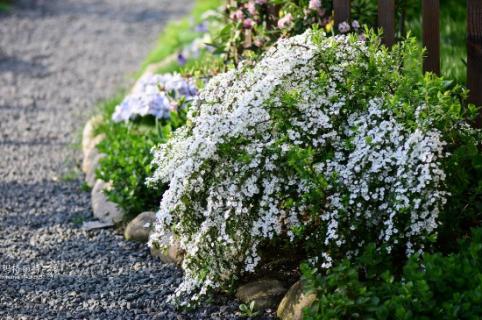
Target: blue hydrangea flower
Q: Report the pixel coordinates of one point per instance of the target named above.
(155, 95)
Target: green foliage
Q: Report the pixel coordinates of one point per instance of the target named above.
(85, 187)
(248, 310)
(127, 162)
(4, 5)
(463, 210)
(452, 35)
(433, 286)
(128, 156)
(71, 174)
(77, 220)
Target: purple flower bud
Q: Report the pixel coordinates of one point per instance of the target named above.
(181, 59)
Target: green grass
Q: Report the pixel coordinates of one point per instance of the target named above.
(200, 66)
(77, 220)
(180, 33)
(453, 35)
(169, 68)
(71, 174)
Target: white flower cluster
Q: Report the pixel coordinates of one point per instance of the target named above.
(260, 141)
(155, 95)
(386, 174)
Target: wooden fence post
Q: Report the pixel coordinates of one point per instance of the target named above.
(474, 52)
(431, 35)
(342, 11)
(386, 21)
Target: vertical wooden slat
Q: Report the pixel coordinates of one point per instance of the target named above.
(431, 35)
(401, 22)
(386, 21)
(342, 11)
(474, 52)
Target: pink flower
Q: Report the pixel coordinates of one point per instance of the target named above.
(285, 21)
(314, 4)
(344, 27)
(248, 23)
(260, 1)
(251, 7)
(237, 15)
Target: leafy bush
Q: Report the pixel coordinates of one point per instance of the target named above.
(432, 286)
(325, 145)
(127, 165)
(127, 149)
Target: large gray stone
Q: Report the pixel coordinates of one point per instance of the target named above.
(266, 293)
(139, 228)
(91, 153)
(293, 303)
(90, 177)
(172, 252)
(88, 134)
(104, 210)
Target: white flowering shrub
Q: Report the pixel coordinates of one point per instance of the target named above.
(155, 95)
(326, 144)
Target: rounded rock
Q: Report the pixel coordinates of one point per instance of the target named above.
(139, 228)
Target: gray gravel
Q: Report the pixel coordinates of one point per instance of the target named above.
(58, 58)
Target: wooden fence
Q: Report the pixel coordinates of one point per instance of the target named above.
(431, 36)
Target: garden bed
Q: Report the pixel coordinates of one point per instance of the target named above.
(308, 170)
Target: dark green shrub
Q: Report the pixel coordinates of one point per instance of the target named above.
(433, 286)
(127, 163)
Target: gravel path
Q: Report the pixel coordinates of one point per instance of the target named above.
(57, 59)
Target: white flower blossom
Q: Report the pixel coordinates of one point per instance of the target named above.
(234, 182)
